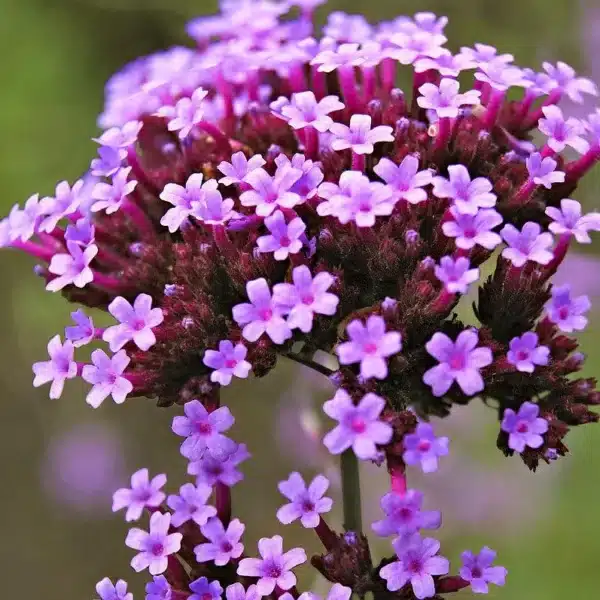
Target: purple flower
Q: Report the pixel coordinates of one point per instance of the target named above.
(417, 562)
(477, 569)
(369, 345)
(275, 566)
(468, 196)
(186, 113)
(305, 297)
(72, 268)
(120, 137)
(261, 315)
(236, 591)
(106, 377)
(306, 502)
(109, 161)
(186, 200)
(359, 425)
(345, 55)
(405, 179)
(158, 589)
(154, 546)
(542, 171)
(269, 193)
(190, 504)
(205, 590)
(500, 76)
(135, 323)
(524, 428)
(525, 353)
(110, 196)
(203, 431)
(344, 27)
(569, 220)
(83, 331)
(403, 515)
(211, 469)
(312, 176)
(223, 544)
(563, 77)
(482, 53)
(109, 591)
(446, 64)
(64, 203)
(567, 312)
(414, 44)
(470, 230)
(228, 361)
(562, 132)
(527, 244)
(359, 137)
(460, 361)
(142, 494)
(423, 447)
(285, 237)
(456, 274)
(214, 210)
(58, 369)
(445, 99)
(82, 233)
(24, 222)
(304, 111)
(239, 167)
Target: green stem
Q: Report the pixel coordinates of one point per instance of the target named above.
(351, 492)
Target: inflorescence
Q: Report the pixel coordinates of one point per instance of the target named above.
(270, 193)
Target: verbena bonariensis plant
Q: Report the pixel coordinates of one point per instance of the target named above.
(273, 194)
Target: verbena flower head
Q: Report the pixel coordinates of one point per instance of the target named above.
(268, 194)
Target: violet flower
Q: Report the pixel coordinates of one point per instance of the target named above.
(223, 543)
(403, 515)
(568, 219)
(529, 244)
(284, 238)
(186, 114)
(423, 447)
(471, 230)
(525, 428)
(83, 332)
(190, 505)
(205, 590)
(65, 202)
(110, 196)
(305, 111)
(477, 569)
(405, 179)
(143, 493)
(58, 369)
(236, 170)
(542, 171)
(456, 275)
(158, 589)
(562, 132)
(106, 377)
(107, 590)
(269, 193)
(72, 268)
(563, 76)
(444, 98)
(307, 503)
(359, 136)
(467, 195)
(228, 361)
(211, 469)
(567, 312)
(525, 353)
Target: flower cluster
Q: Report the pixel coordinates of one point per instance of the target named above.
(271, 194)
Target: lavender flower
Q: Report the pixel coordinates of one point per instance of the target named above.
(269, 193)
(472, 230)
(312, 175)
(142, 494)
(460, 361)
(359, 136)
(158, 589)
(275, 566)
(568, 219)
(120, 137)
(306, 502)
(456, 275)
(154, 546)
(65, 202)
(285, 237)
(190, 504)
(83, 332)
(423, 447)
(414, 44)
(468, 195)
(25, 222)
(525, 353)
(223, 544)
(135, 323)
(107, 590)
(542, 171)
(211, 469)
(527, 244)
(403, 515)
(236, 591)
(562, 132)
(305, 297)
(106, 377)
(58, 369)
(524, 428)
(109, 161)
(477, 569)
(205, 590)
(204, 431)
(110, 196)
(186, 114)
(567, 312)
(262, 315)
(236, 170)
(359, 428)
(500, 76)
(369, 345)
(445, 99)
(483, 53)
(446, 64)
(416, 563)
(228, 361)
(72, 268)
(81, 233)
(304, 111)
(405, 179)
(563, 76)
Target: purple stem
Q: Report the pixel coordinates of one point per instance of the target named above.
(576, 169)
(358, 161)
(34, 249)
(493, 108)
(311, 143)
(348, 86)
(444, 133)
(388, 74)
(138, 216)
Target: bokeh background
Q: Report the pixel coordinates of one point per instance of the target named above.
(60, 460)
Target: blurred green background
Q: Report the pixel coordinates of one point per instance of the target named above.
(61, 460)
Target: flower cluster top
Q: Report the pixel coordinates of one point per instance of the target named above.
(272, 193)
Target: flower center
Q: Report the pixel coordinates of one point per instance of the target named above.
(157, 549)
(285, 241)
(522, 355)
(308, 506)
(469, 233)
(522, 427)
(308, 299)
(206, 596)
(272, 570)
(476, 573)
(405, 514)
(370, 347)
(138, 324)
(265, 314)
(230, 363)
(424, 445)
(457, 362)
(414, 566)
(563, 312)
(226, 546)
(358, 425)
(203, 428)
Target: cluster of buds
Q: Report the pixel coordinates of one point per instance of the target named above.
(272, 194)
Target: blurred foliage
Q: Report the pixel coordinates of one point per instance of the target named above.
(56, 57)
